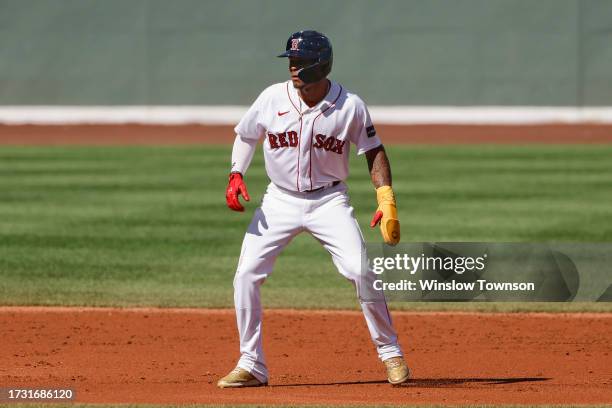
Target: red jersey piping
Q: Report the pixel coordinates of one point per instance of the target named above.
(312, 133)
(297, 179)
(290, 100)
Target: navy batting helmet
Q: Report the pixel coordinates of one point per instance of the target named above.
(312, 45)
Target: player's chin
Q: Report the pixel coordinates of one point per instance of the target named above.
(297, 83)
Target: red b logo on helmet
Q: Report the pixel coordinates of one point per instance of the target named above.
(294, 44)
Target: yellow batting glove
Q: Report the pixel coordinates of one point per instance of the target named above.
(386, 215)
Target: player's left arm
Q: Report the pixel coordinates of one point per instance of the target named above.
(386, 213)
(378, 164)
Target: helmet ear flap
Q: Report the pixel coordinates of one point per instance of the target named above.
(310, 73)
(315, 72)
(326, 54)
(326, 60)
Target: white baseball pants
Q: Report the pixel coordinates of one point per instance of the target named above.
(328, 216)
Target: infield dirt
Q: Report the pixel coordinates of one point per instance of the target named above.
(325, 357)
(391, 134)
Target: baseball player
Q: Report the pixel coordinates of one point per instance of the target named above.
(308, 125)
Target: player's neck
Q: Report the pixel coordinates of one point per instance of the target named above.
(314, 93)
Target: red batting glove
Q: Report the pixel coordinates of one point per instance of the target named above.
(236, 187)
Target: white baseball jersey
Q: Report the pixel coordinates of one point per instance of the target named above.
(306, 148)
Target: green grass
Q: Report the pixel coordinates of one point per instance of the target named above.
(135, 226)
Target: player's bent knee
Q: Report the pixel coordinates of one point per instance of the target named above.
(248, 276)
(351, 269)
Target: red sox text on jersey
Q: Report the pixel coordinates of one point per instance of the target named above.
(290, 139)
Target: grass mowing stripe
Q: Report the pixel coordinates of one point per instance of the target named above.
(133, 226)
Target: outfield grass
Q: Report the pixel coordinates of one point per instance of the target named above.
(148, 225)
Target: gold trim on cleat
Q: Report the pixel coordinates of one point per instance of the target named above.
(239, 378)
(397, 370)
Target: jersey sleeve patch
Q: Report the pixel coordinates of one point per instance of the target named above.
(371, 131)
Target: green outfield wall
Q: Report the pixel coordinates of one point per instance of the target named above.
(425, 52)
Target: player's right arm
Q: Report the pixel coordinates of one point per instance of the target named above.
(242, 154)
(248, 132)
